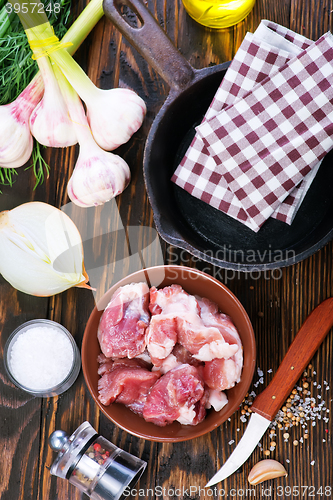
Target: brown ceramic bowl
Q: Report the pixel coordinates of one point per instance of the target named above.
(196, 283)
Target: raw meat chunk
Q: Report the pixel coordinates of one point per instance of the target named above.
(184, 356)
(211, 316)
(123, 324)
(166, 305)
(179, 356)
(161, 337)
(204, 343)
(169, 363)
(216, 399)
(172, 299)
(177, 395)
(176, 317)
(125, 381)
(222, 373)
(219, 339)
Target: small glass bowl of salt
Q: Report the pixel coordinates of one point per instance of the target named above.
(42, 358)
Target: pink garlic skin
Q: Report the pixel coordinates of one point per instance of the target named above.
(16, 141)
(51, 126)
(97, 178)
(50, 122)
(114, 116)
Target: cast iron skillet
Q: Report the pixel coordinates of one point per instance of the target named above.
(185, 221)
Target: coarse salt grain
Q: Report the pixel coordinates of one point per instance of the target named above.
(41, 358)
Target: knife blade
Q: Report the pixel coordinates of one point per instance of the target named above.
(266, 405)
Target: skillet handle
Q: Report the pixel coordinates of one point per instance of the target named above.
(151, 42)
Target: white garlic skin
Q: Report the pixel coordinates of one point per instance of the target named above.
(50, 122)
(16, 141)
(98, 177)
(114, 116)
(266, 469)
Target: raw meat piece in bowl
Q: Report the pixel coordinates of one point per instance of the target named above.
(221, 373)
(122, 328)
(178, 356)
(178, 395)
(176, 318)
(125, 381)
(166, 305)
(209, 334)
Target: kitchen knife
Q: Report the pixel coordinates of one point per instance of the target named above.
(266, 405)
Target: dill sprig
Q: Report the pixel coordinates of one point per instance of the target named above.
(17, 69)
(40, 167)
(6, 176)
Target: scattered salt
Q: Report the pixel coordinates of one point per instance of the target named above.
(231, 441)
(41, 358)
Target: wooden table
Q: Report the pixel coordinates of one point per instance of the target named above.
(277, 307)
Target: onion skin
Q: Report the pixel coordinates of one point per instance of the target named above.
(41, 250)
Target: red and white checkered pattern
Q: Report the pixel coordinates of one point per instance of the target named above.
(257, 149)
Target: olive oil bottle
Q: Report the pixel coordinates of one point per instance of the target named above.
(218, 13)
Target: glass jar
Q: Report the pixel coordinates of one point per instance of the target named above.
(218, 13)
(93, 464)
(38, 355)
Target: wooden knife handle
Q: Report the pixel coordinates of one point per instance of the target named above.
(303, 347)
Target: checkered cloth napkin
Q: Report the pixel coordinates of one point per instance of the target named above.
(263, 137)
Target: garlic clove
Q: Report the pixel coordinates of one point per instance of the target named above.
(50, 122)
(266, 469)
(114, 116)
(16, 141)
(15, 138)
(41, 250)
(98, 177)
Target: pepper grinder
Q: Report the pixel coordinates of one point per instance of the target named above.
(95, 466)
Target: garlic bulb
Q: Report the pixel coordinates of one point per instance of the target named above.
(16, 141)
(114, 116)
(40, 250)
(50, 123)
(98, 176)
